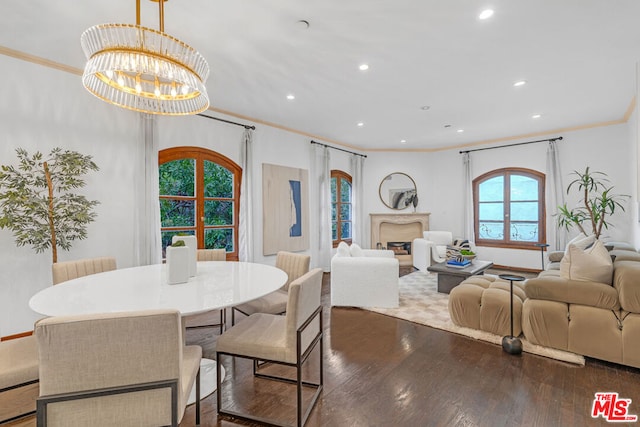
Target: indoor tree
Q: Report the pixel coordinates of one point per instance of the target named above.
(37, 202)
(597, 203)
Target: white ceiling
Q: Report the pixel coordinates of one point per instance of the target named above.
(578, 57)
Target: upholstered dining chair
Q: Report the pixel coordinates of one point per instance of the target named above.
(63, 271)
(285, 340)
(115, 369)
(295, 265)
(209, 255)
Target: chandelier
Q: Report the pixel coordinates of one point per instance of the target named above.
(143, 69)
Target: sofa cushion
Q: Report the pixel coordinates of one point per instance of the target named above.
(626, 280)
(343, 250)
(556, 288)
(592, 264)
(356, 250)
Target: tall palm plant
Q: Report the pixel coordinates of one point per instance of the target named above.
(597, 204)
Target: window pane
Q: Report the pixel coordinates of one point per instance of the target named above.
(333, 212)
(491, 211)
(177, 177)
(491, 230)
(346, 230)
(218, 212)
(345, 191)
(166, 237)
(334, 231)
(492, 190)
(218, 181)
(219, 238)
(523, 188)
(524, 232)
(177, 213)
(333, 190)
(524, 211)
(345, 212)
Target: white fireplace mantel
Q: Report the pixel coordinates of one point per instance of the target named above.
(378, 219)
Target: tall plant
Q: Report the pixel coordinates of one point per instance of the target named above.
(597, 204)
(37, 202)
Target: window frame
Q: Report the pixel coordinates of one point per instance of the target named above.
(506, 242)
(200, 155)
(338, 174)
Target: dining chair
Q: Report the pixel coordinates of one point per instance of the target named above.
(295, 265)
(209, 255)
(63, 271)
(115, 369)
(286, 340)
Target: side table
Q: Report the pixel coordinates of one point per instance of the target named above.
(511, 344)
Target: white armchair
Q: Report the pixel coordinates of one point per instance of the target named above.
(368, 279)
(431, 248)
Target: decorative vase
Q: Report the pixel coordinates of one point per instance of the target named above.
(192, 243)
(177, 264)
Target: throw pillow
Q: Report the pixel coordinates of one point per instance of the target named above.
(356, 250)
(581, 241)
(593, 264)
(343, 250)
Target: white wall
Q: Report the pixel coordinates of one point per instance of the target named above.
(42, 108)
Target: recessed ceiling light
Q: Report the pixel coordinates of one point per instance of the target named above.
(303, 24)
(485, 14)
(520, 83)
(536, 116)
(460, 130)
(360, 124)
(363, 67)
(291, 97)
(425, 107)
(447, 126)
(403, 141)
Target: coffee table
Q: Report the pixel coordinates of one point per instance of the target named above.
(450, 277)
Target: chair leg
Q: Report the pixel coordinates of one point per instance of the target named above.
(198, 398)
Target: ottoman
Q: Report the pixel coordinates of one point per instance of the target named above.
(483, 302)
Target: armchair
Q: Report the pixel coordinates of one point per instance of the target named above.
(367, 280)
(431, 248)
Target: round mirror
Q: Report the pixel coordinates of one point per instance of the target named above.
(398, 191)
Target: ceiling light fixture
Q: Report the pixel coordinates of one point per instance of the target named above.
(360, 124)
(144, 70)
(425, 107)
(485, 14)
(460, 130)
(536, 116)
(363, 67)
(291, 97)
(403, 141)
(520, 83)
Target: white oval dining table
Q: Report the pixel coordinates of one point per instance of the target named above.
(217, 284)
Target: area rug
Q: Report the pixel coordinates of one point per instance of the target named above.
(421, 303)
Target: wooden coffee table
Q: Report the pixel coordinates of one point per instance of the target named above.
(450, 277)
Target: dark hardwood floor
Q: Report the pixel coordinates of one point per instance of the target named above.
(382, 371)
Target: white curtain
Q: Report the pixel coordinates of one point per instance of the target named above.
(321, 204)
(468, 198)
(357, 201)
(245, 231)
(146, 211)
(554, 197)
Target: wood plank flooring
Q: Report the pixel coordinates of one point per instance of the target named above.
(382, 371)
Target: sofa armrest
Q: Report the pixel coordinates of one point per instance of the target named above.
(555, 288)
(626, 280)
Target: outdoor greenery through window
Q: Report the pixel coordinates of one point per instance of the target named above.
(341, 211)
(199, 195)
(509, 208)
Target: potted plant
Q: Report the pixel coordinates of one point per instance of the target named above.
(597, 204)
(37, 202)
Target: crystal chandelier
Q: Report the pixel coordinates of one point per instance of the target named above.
(143, 69)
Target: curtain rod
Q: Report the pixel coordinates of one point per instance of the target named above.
(227, 121)
(512, 145)
(339, 149)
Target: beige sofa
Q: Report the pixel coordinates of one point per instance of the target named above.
(589, 318)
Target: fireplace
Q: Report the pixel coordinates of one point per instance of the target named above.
(398, 228)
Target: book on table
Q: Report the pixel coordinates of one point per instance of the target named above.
(456, 263)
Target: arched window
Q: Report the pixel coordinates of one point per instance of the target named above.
(200, 195)
(509, 208)
(341, 211)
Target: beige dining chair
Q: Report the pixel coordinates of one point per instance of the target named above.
(191, 321)
(63, 271)
(295, 265)
(115, 369)
(286, 340)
